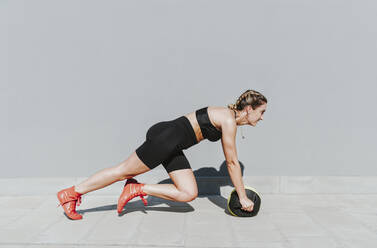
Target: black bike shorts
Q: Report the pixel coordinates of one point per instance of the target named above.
(164, 144)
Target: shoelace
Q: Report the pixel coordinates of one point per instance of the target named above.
(78, 202)
(141, 196)
(135, 193)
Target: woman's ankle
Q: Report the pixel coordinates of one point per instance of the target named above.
(79, 190)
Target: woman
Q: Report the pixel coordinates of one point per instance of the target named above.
(164, 144)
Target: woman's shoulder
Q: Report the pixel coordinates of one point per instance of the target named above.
(220, 115)
(221, 111)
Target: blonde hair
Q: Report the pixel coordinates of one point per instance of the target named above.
(249, 97)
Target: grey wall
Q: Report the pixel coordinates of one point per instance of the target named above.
(82, 81)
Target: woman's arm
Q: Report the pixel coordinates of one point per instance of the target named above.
(228, 141)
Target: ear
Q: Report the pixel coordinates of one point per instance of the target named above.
(249, 108)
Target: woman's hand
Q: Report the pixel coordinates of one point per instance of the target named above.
(247, 204)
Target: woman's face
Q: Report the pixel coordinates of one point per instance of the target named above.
(255, 115)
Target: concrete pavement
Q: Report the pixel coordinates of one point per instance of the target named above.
(289, 220)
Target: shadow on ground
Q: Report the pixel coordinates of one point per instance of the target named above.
(209, 181)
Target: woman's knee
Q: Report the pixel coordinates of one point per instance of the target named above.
(121, 173)
(188, 195)
(131, 167)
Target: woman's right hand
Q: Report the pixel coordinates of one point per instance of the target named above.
(247, 204)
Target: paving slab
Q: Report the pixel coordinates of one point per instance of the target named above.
(286, 220)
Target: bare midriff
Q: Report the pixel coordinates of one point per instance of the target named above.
(195, 125)
(212, 111)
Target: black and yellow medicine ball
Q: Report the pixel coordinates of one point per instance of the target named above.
(234, 205)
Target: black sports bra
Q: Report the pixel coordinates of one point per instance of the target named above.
(209, 131)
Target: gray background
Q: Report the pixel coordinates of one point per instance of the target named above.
(82, 81)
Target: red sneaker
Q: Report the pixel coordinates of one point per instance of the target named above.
(131, 189)
(68, 198)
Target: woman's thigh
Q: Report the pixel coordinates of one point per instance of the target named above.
(185, 181)
(176, 161)
(133, 166)
(159, 145)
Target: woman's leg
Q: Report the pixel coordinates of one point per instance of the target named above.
(184, 188)
(69, 197)
(131, 167)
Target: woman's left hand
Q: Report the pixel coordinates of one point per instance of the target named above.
(247, 204)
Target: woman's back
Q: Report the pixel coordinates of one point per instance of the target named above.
(216, 115)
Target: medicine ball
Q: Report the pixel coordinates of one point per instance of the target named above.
(234, 205)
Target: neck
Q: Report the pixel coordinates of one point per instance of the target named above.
(239, 117)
